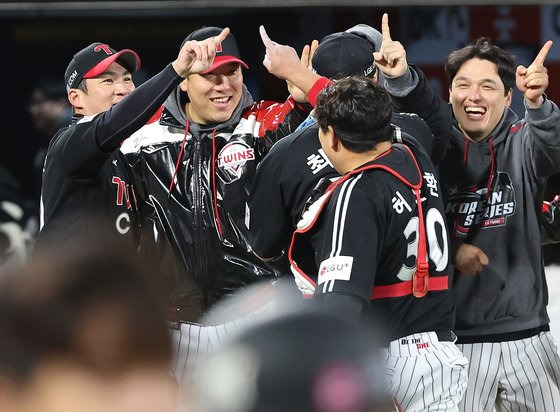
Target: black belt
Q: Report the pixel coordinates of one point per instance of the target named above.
(446, 336)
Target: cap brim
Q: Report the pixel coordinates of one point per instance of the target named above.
(127, 58)
(221, 60)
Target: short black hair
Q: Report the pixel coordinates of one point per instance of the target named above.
(358, 110)
(483, 49)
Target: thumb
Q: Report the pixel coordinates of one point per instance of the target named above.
(377, 56)
(521, 70)
(482, 258)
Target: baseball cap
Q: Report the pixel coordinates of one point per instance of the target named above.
(296, 362)
(226, 52)
(344, 54)
(94, 60)
(371, 34)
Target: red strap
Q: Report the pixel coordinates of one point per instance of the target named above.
(405, 288)
(316, 89)
(421, 278)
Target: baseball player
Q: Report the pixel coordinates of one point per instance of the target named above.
(287, 175)
(493, 177)
(195, 164)
(85, 175)
(381, 245)
(387, 277)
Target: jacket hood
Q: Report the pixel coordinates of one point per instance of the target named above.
(176, 101)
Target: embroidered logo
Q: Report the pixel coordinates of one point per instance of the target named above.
(479, 207)
(233, 157)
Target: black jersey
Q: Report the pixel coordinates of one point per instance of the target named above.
(370, 238)
(86, 180)
(287, 175)
(96, 189)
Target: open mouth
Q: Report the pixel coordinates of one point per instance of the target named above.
(220, 101)
(475, 112)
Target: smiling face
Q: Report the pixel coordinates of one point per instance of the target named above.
(214, 96)
(478, 98)
(103, 91)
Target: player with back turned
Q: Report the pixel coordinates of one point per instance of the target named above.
(296, 164)
(379, 236)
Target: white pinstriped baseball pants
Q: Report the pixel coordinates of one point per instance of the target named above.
(427, 375)
(518, 375)
(192, 342)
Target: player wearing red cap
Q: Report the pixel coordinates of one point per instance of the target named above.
(85, 175)
(195, 165)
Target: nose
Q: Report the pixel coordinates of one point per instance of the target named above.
(474, 94)
(123, 88)
(222, 82)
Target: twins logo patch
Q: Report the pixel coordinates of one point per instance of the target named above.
(232, 158)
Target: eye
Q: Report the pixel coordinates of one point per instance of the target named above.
(128, 79)
(108, 81)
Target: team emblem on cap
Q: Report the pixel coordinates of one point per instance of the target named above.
(103, 47)
(233, 157)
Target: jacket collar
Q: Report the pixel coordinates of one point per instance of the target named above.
(174, 113)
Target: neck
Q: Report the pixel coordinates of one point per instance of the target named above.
(355, 160)
(475, 139)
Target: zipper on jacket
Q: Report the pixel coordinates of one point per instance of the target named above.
(199, 235)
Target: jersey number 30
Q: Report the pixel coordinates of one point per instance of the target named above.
(438, 254)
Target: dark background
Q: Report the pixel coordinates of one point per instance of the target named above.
(38, 42)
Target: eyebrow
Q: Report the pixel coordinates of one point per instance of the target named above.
(112, 73)
(482, 81)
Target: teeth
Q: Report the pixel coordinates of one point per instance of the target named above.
(475, 110)
(220, 100)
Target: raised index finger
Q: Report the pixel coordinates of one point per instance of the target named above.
(542, 54)
(385, 27)
(264, 36)
(221, 37)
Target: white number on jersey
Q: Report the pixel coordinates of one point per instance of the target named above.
(438, 254)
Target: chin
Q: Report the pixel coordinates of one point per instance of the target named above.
(222, 117)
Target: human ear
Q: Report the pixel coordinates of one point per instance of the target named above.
(183, 85)
(508, 97)
(75, 98)
(332, 139)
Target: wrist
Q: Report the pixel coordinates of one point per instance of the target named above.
(534, 104)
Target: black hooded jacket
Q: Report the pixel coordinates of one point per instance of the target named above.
(193, 181)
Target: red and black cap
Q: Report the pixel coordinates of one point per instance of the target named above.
(344, 54)
(94, 60)
(226, 52)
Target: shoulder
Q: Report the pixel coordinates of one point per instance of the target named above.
(151, 134)
(80, 127)
(411, 124)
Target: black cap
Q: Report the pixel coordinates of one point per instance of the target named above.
(344, 54)
(226, 52)
(285, 353)
(303, 361)
(94, 60)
